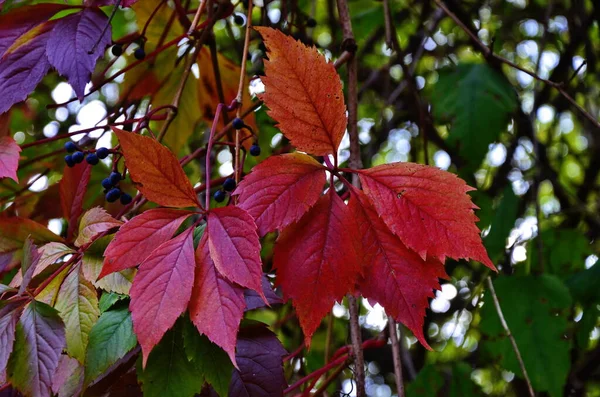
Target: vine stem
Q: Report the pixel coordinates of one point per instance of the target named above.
(396, 357)
(211, 138)
(513, 342)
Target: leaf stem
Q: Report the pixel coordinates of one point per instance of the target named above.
(208, 150)
(396, 357)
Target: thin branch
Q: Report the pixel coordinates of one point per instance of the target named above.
(510, 335)
(396, 357)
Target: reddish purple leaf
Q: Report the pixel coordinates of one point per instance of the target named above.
(9, 158)
(161, 290)
(280, 190)
(23, 67)
(394, 276)
(72, 38)
(31, 257)
(317, 261)
(136, 239)
(68, 380)
(234, 246)
(73, 186)
(254, 300)
(217, 305)
(94, 222)
(8, 324)
(429, 209)
(260, 360)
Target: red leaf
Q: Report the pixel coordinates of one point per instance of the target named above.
(280, 190)
(234, 247)
(304, 94)
(9, 158)
(394, 276)
(136, 239)
(317, 261)
(161, 290)
(429, 209)
(73, 186)
(94, 222)
(155, 171)
(217, 305)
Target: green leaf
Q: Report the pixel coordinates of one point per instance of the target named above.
(108, 299)
(212, 361)
(584, 285)
(565, 251)
(478, 102)
(77, 303)
(427, 383)
(91, 265)
(504, 220)
(110, 339)
(39, 341)
(168, 372)
(535, 308)
(461, 384)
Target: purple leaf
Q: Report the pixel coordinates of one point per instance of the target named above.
(254, 301)
(9, 158)
(23, 68)
(31, 257)
(100, 3)
(260, 359)
(8, 324)
(70, 42)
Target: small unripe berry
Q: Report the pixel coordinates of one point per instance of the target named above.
(229, 184)
(69, 160)
(126, 199)
(219, 196)
(238, 19)
(238, 123)
(139, 53)
(102, 152)
(70, 147)
(311, 23)
(77, 157)
(117, 50)
(255, 150)
(114, 177)
(92, 159)
(113, 195)
(106, 183)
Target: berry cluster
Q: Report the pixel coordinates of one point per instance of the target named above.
(112, 190)
(239, 124)
(77, 155)
(228, 186)
(139, 53)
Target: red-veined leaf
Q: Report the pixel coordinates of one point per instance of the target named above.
(317, 261)
(9, 158)
(280, 190)
(137, 238)
(429, 209)
(234, 247)
(39, 341)
(304, 94)
(217, 305)
(68, 380)
(31, 258)
(155, 171)
(394, 276)
(72, 39)
(73, 186)
(49, 254)
(94, 222)
(161, 290)
(8, 324)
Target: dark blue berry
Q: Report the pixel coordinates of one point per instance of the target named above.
(255, 150)
(238, 19)
(139, 53)
(106, 183)
(113, 195)
(114, 178)
(219, 196)
(238, 123)
(92, 159)
(70, 147)
(77, 157)
(117, 50)
(126, 199)
(311, 23)
(69, 160)
(102, 152)
(229, 184)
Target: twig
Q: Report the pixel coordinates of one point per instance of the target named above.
(331, 378)
(510, 335)
(396, 356)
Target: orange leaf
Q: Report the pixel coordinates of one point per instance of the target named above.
(304, 94)
(155, 171)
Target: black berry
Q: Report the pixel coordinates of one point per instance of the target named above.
(69, 160)
(255, 150)
(238, 19)
(113, 195)
(70, 147)
(220, 196)
(229, 184)
(238, 123)
(311, 23)
(117, 50)
(106, 183)
(102, 152)
(114, 178)
(92, 159)
(77, 157)
(126, 199)
(139, 53)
